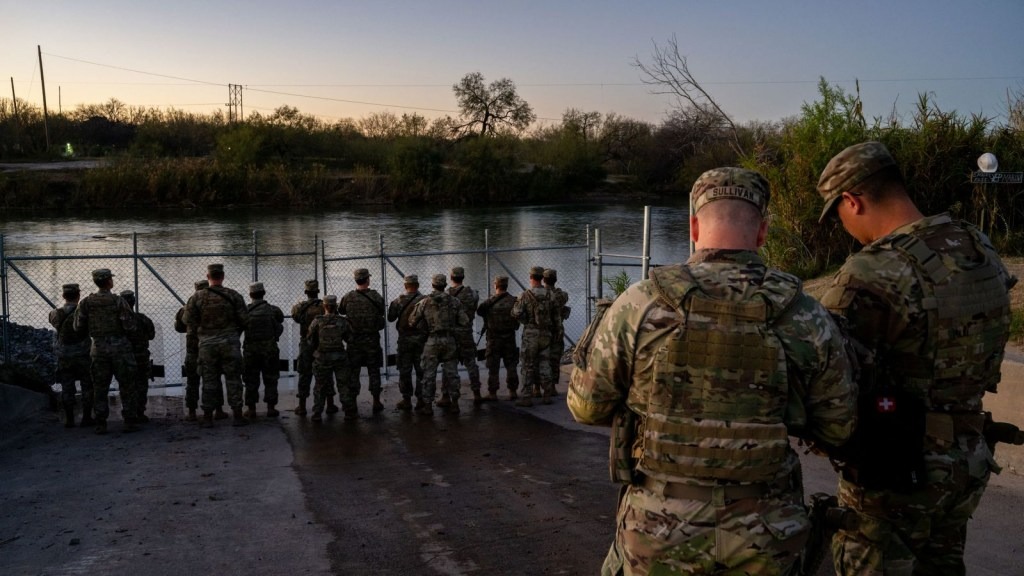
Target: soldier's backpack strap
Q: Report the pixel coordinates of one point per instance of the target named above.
(674, 284)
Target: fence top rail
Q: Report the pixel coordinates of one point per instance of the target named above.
(145, 255)
(629, 256)
(454, 252)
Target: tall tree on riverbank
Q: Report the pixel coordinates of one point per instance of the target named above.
(485, 109)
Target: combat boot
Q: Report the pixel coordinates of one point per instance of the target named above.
(545, 399)
(87, 420)
(101, 426)
(238, 419)
(492, 396)
(131, 425)
(512, 395)
(332, 408)
(219, 414)
(351, 412)
(316, 417)
(69, 416)
(377, 406)
(142, 418)
(300, 410)
(453, 408)
(424, 409)
(250, 411)
(477, 398)
(191, 417)
(405, 404)
(207, 421)
(525, 401)
(444, 401)
(272, 411)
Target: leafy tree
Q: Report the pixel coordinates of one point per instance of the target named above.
(486, 109)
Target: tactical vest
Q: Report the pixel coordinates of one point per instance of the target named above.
(331, 333)
(410, 302)
(720, 384)
(66, 334)
(104, 315)
(468, 298)
(441, 313)
(968, 315)
(216, 310)
(144, 332)
(263, 326)
(308, 311)
(363, 311)
(541, 313)
(499, 317)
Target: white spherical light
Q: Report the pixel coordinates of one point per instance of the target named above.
(987, 162)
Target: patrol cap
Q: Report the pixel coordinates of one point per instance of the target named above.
(501, 281)
(412, 279)
(70, 289)
(730, 183)
(256, 287)
(127, 294)
(312, 286)
(438, 281)
(536, 271)
(215, 268)
(551, 274)
(458, 272)
(202, 285)
(361, 274)
(101, 274)
(849, 168)
(330, 300)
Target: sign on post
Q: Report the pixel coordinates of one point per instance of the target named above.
(979, 177)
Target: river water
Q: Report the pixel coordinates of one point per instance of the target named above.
(177, 246)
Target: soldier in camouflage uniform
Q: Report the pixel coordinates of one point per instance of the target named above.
(469, 299)
(536, 311)
(192, 365)
(364, 308)
(72, 358)
(303, 313)
(443, 315)
(557, 347)
(927, 297)
(411, 339)
(500, 327)
(109, 322)
(704, 371)
(219, 315)
(145, 331)
(260, 353)
(329, 335)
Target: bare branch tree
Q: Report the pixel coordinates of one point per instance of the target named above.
(669, 73)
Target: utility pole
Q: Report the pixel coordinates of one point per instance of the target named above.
(234, 102)
(17, 127)
(42, 81)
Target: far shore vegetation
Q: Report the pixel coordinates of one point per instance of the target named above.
(496, 152)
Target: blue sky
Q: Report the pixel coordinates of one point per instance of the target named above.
(760, 60)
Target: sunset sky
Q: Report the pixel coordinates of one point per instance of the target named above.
(337, 59)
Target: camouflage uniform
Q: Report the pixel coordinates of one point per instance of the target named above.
(364, 308)
(303, 313)
(929, 304)
(557, 347)
(260, 352)
(220, 316)
(501, 329)
(411, 339)
(328, 336)
(108, 320)
(469, 299)
(192, 358)
(72, 357)
(703, 371)
(535, 309)
(145, 331)
(442, 314)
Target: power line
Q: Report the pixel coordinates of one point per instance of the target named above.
(135, 71)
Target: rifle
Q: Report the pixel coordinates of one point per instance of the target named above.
(1004, 432)
(826, 518)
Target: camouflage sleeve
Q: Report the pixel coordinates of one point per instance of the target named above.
(394, 308)
(126, 316)
(822, 402)
(148, 328)
(600, 388)
(56, 317)
(191, 314)
(241, 310)
(297, 312)
(81, 321)
(313, 335)
(417, 312)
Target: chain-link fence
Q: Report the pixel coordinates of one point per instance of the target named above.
(163, 281)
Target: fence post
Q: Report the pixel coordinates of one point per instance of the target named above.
(586, 268)
(384, 289)
(487, 260)
(255, 258)
(645, 262)
(3, 295)
(323, 262)
(597, 262)
(135, 262)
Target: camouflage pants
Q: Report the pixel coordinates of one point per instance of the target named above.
(555, 351)
(502, 349)
(69, 370)
(332, 368)
(659, 535)
(217, 358)
(365, 351)
(440, 350)
(112, 356)
(923, 532)
(467, 357)
(192, 380)
(143, 370)
(304, 366)
(536, 366)
(261, 361)
(410, 352)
